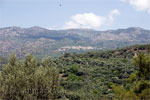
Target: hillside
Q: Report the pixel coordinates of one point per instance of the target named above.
(86, 76)
(89, 76)
(41, 41)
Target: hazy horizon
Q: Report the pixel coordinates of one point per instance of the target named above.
(70, 14)
(73, 28)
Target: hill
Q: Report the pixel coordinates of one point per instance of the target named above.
(41, 41)
(86, 76)
(89, 76)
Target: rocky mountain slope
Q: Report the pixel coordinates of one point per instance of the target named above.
(41, 41)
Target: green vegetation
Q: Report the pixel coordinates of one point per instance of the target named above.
(26, 80)
(121, 74)
(89, 76)
(138, 87)
(2, 61)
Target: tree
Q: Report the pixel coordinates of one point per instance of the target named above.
(139, 81)
(142, 62)
(22, 80)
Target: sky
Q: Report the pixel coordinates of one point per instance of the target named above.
(66, 14)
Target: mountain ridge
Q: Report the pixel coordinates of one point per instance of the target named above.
(41, 41)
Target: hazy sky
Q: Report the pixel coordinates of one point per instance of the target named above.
(64, 14)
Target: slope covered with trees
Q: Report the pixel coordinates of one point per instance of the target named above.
(117, 74)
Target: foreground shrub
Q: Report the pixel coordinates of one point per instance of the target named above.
(27, 80)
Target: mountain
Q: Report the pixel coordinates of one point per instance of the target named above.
(40, 41)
